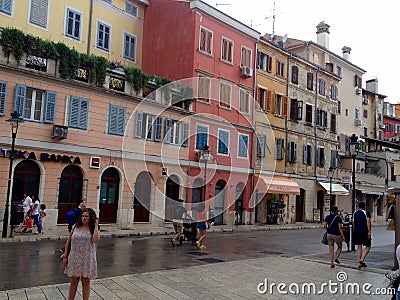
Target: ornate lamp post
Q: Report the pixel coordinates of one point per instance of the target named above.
(354, 146)
(14, 122)
(331, 171)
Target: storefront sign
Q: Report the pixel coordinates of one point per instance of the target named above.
(317, 215)
(42, 157)
(95, 162)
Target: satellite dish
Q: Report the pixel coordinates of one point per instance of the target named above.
(284, 39)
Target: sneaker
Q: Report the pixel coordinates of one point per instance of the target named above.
(202, 247)
(198, 244)
(173, 242)
(337, 261)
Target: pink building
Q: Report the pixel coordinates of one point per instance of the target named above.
(190, 39)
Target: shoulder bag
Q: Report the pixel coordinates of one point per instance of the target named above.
(325, 236)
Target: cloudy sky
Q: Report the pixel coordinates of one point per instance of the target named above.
(367, 27)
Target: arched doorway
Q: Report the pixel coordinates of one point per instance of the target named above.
(141, 202)
(109, 191)
(197, 195)
(239, 203)
(70, 191)
(219, 202)
(300, 206)
(171, 196)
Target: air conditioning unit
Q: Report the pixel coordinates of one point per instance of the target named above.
(357, 122)
(246, 71)
(60, 132)
(358, 91)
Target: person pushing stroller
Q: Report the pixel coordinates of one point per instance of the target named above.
(177, 221)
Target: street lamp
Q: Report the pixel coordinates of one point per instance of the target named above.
(14, 121)
(205, 156)
(331, 171)
(354, 146)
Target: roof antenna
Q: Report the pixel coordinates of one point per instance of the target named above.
(273, 21)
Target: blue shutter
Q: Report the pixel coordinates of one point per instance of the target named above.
(5, 6)
(113, 119)
(185, 134)
(138, 125)
(83, 113)
(74, 112)
(121, 120)
(158, 129)
(168, 126)
(19, 103)
(243, 145)
(3, 97)
(223, 141)
(50, 107)
(201, 137)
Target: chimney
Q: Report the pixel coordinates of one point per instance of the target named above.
(346, 53)
(372, 85)
(323, 34)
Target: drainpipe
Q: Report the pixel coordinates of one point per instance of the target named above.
(90, 27)
(315, 137)
(287, 117)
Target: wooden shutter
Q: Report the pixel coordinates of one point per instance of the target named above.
(185, 134)
(274, 102)
(19, 102)
(285, 106)
(3, 97)
(269, 101)
(50, 107)
(139, 125)
(269, 63)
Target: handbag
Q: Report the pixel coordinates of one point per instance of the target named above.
(325, 236)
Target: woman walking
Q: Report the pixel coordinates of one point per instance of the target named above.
(80, 253)
(333, 225)
(202, 225)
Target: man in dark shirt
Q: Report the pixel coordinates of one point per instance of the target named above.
(362, 232)
(333, 224)
(177, 221)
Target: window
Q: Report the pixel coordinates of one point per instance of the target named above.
(292, 152)
(322, 117)
(310, 83)
(338, 70)
(262, 93)
(264, 61)
(244, 101)
(334, 159)
(307, 155)
(333, 123)
(225, 94)
(365, 131)
(246, 57)
(309, 114)
(334, 92)
(148, 127)
(321, 156)
(201, 137)
(295, 75)
(206, 39)
(203, 88)
(316, 58)
(38, 12)
(280, 68)
(243, 145)
(279, 143)
(296, 109)
(78, 113)
(129, 46)
(227, 50)
(73, 29)
(261, 143)
(116, 121)
(176, 132)
(223, 141)
(280, 105)
(365, 113)
(6, 6)
(103, 36)
(356, 113)
(357, 81)
(322, 86)
(3, 97)
(108, 1)
(35, 104)
(131, 8)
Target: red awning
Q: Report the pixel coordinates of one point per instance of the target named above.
(277, 185)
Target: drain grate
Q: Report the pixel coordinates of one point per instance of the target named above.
(271, 252)
(210, 260)
(197, 253)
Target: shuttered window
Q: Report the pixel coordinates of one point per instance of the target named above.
(225, 94)
(131, 9)
(6, 6)
(227, 50)
(201, 137)
(261, 143)
(78, 113)
(38, 13)
(176, 132)
(116, 120)
(205, 42)
(3, 97)
(244, 101)
(203, 88)
(246, 57)
(223, 141)
(279, 143)
(292, 152)
(148, 127)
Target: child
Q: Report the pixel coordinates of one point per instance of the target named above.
(42, 214)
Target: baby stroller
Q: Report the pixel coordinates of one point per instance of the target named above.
(189, 231)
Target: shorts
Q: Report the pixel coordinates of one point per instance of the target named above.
(362, 240)
(333, 238)
(202, 225)
(178, 227)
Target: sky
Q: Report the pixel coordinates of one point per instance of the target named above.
(368, 27)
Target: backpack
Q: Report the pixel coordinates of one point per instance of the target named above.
(71, 218)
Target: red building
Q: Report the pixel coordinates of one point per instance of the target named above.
(216, 54)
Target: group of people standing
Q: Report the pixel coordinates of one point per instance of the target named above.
(361, 223)
(35, 211)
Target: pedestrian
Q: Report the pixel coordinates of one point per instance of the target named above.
(177, 221)
(35, 214)
(27, 203)
(334, 226)
(80, 257)
(362, 233)
(42, 215)
(202, 225)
